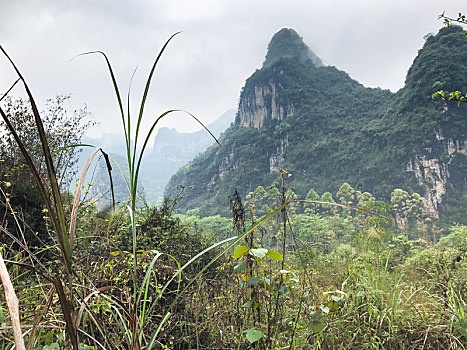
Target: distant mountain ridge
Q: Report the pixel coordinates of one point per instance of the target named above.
(171, 150)
(327, 129)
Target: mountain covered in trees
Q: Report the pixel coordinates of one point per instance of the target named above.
(327, 129)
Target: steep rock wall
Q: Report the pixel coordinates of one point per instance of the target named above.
(262, 103)
(276, 160)
(432, 173)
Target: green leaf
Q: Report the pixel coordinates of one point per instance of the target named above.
(317, 325)
(253, 335)
(259, 252)
(253, 281)
(249, 303)
(333, 305)
(240, 267)
(273, 254)
(240, 251)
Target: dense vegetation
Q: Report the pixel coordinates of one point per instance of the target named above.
(337, 269)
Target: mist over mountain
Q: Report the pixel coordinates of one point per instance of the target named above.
(286, 43)
(173, 149)
(325, 128)
(170, 151)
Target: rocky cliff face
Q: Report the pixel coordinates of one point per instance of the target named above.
(277, 159)
(262, 101)
(432, 171)
(261, 104)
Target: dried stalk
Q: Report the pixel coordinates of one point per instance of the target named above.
(13, 305)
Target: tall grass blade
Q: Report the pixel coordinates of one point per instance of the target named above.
(146, 91)
(117, 93)
(67, 308)
(93, 339)
(11, 88)
(72, 146)
(128, 131)
(112, 217)
(144, 287)
(109, 170)
(147, 276)
(156, 333)
(61, 224)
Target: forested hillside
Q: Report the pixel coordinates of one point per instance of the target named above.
(326, 129)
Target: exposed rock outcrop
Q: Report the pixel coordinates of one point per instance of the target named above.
(432, 173)
(276, 160)
(262, 103)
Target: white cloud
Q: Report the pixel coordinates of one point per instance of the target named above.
(222, 43)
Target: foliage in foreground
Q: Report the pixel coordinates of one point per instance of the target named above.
(329, 278)
(342, 284)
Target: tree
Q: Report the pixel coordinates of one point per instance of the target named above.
(410, 210)
(311, 196)
(261, 202)
(449, 20)
(453, 95)
(346, 194)
(328, 208)
(63, 128)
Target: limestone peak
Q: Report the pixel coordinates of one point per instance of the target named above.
(286, 43)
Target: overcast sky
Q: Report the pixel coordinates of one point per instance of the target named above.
(204, 68)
